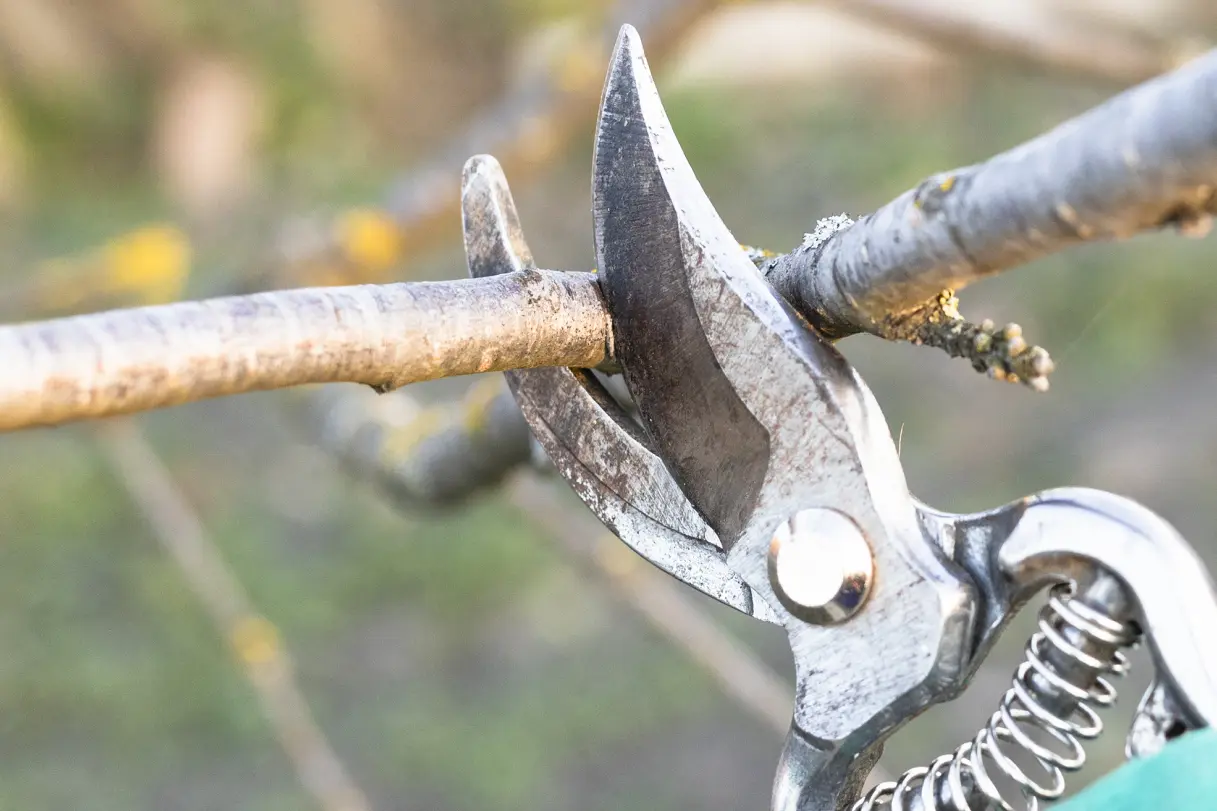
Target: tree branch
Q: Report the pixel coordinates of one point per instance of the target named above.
(423, 456)
(383, 336)
(1146, 159)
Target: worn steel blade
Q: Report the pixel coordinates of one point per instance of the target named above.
(717, 363)
(591, 439)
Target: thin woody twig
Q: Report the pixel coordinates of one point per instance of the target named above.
(383, 336)
(255, 642)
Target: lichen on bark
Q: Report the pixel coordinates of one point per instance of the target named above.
(1002, 353)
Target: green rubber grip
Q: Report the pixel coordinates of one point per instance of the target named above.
(1182, 777)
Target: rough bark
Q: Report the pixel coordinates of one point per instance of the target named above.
(383, 336)
(1145, 159)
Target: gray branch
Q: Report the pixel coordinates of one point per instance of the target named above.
(1146, 159)
(422, 455)
(384, 336)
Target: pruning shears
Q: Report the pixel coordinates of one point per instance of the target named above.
(754, 465)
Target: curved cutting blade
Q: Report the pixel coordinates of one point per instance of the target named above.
(728, 380)
(590, 438)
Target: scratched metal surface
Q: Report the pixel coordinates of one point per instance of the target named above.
(588, 436)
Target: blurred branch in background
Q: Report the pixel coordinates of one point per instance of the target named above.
(420, 455)
(525, 129)
(1087, 52)
(255, 642)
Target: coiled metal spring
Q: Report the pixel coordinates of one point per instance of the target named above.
(1054, 697)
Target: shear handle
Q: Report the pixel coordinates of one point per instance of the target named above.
(1078, 534)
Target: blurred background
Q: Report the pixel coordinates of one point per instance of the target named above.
(466, 658)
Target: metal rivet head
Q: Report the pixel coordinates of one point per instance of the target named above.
(820, 566)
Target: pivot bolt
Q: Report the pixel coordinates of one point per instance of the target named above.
(820, 566)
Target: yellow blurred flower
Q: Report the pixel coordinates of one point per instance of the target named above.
(153, 260)
(370, 239)
(256, 641)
